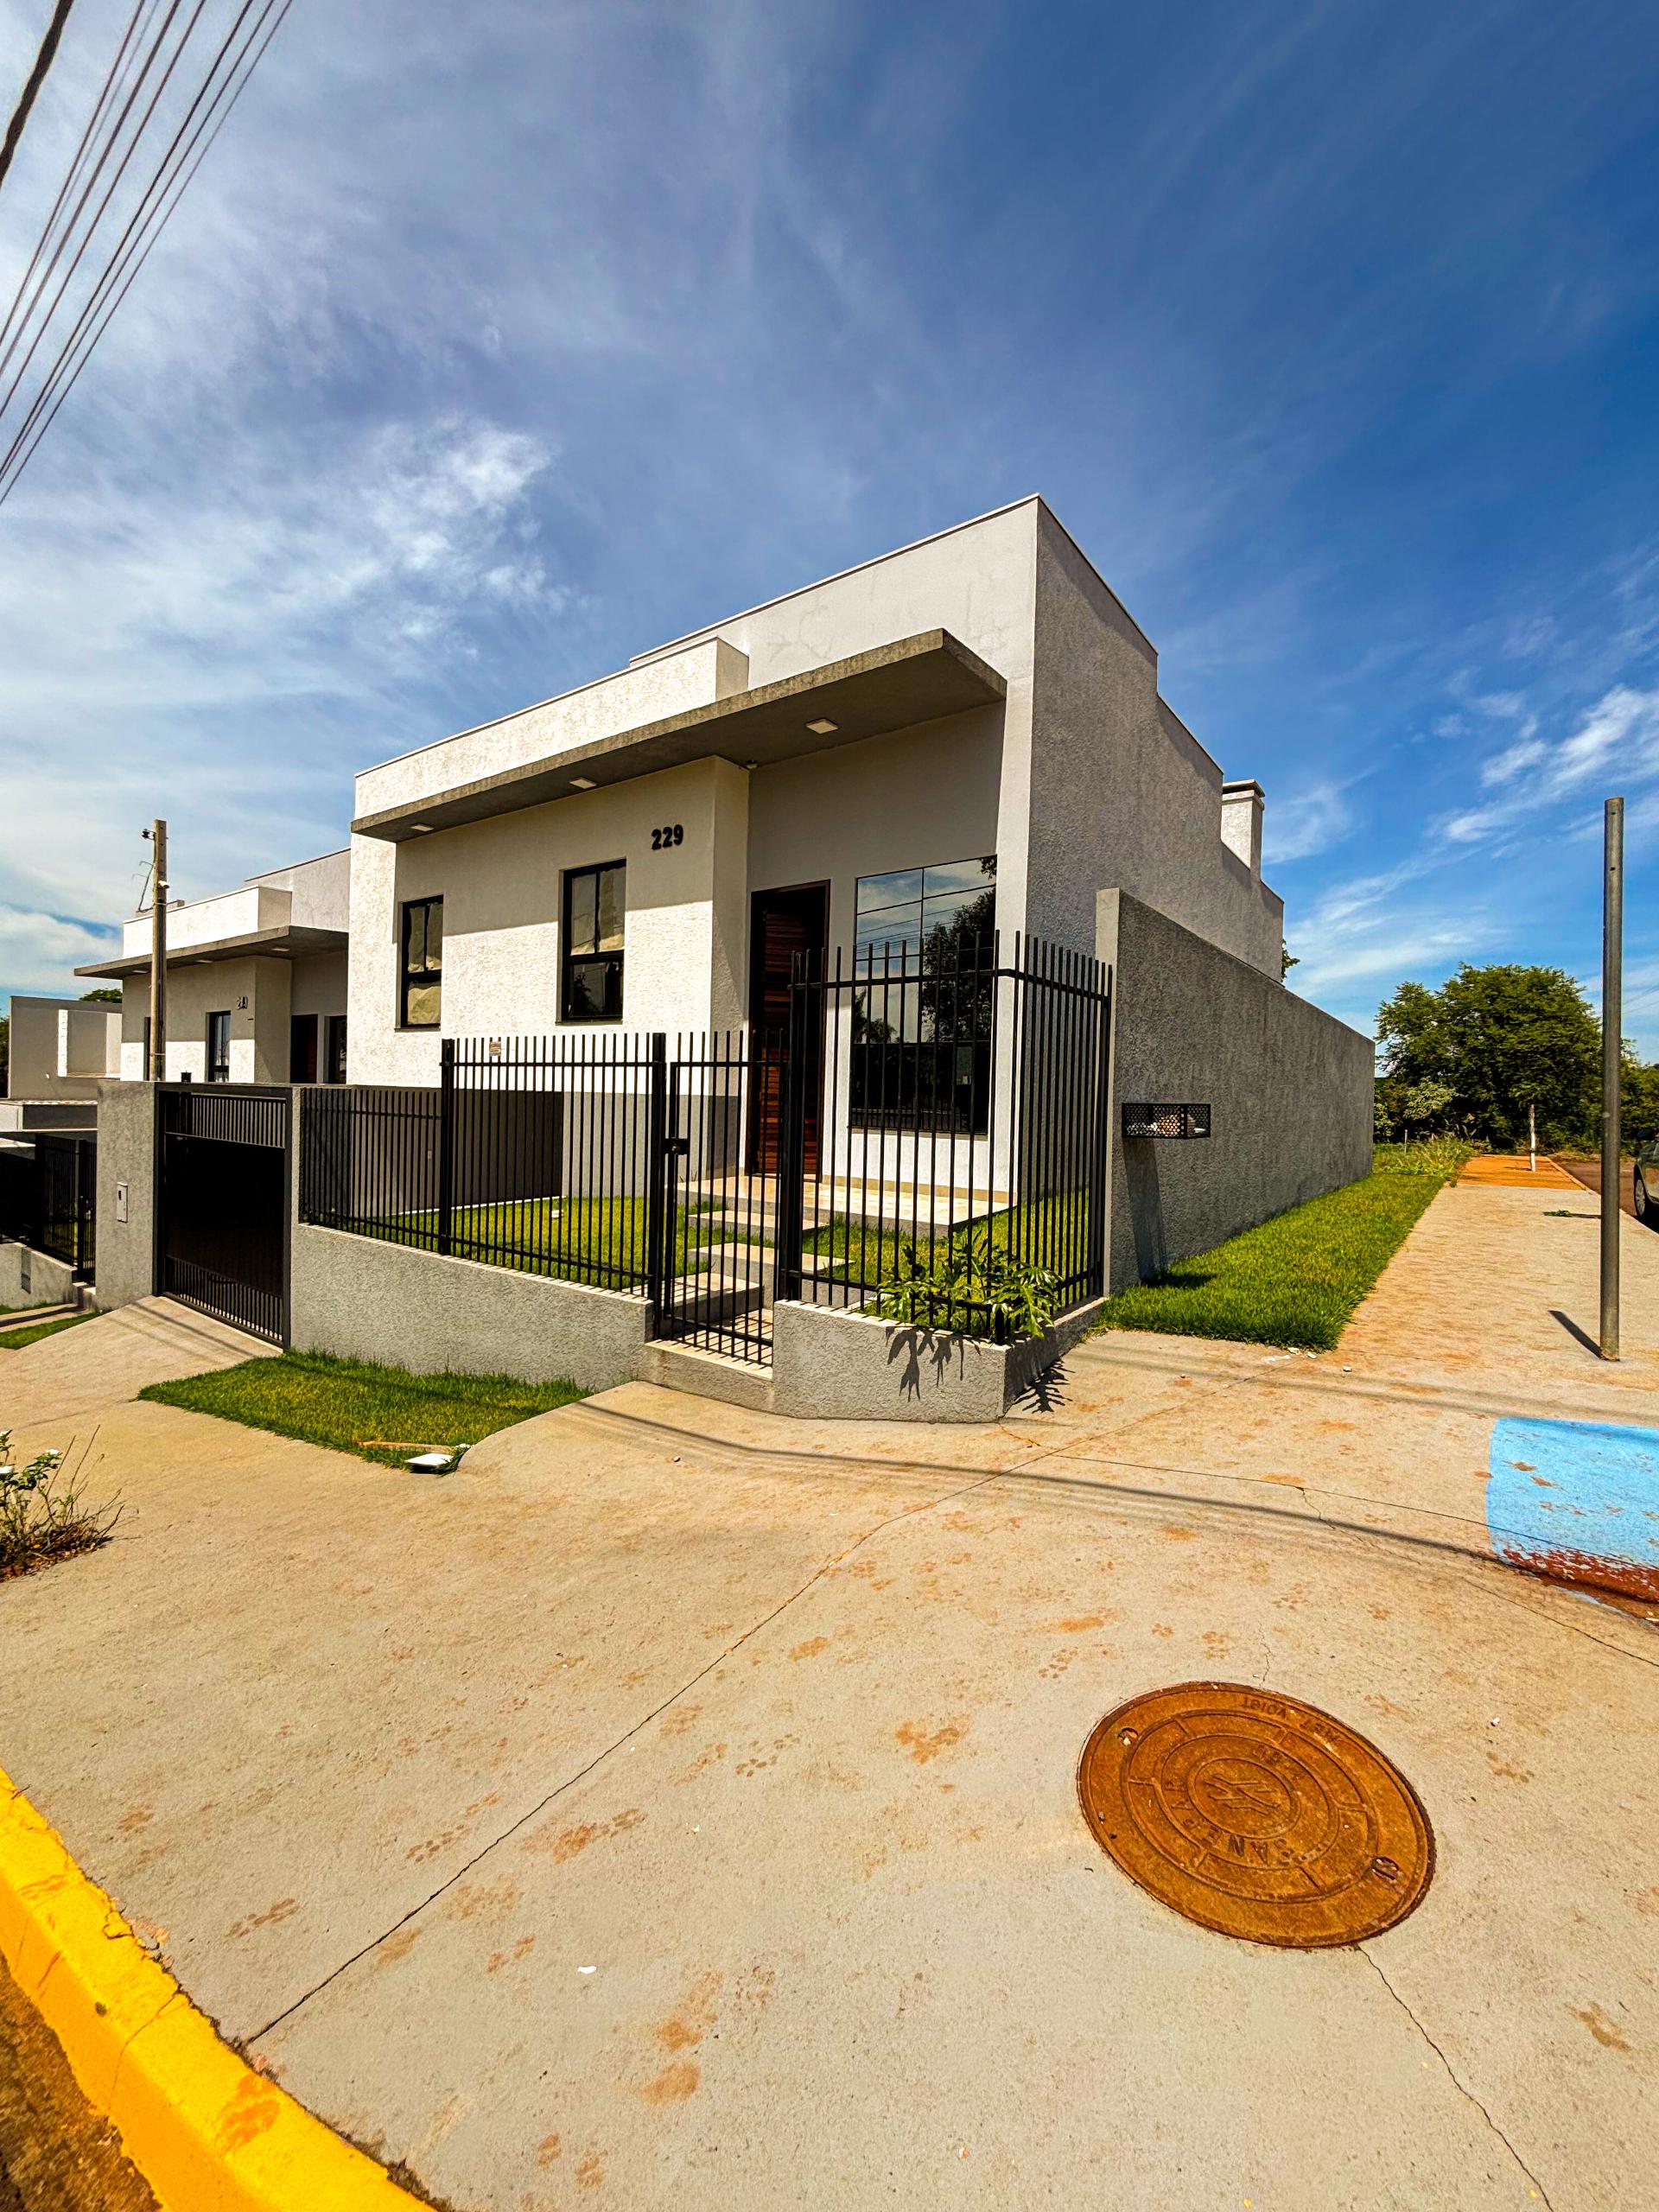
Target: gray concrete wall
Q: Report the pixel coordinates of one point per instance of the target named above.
(30, 1278)
(833, 1365)
(363, 1299)
(1289, 1088)
(126, 1183)
(1121, 791)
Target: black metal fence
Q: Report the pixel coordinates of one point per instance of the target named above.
(959, 1179)
(927, 1138)
(48, 1198)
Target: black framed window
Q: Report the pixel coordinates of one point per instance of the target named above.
(595, 910)
(924, 1008)
(219, 1047)
(335, 1065)
(421, 991)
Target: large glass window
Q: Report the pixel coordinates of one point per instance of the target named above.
(421, 999)
(923, 1000)
(219, 1047)
(900, 913)
(595, 910)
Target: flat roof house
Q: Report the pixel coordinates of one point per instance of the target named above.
(255, 980)
(843, 765)
(879, 934)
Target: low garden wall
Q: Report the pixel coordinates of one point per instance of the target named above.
(362, 1299)
(830, 1365)
(31, 1278)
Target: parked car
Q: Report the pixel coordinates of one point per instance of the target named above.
(1647, 1183)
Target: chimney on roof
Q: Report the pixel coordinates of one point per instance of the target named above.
(1241, 821)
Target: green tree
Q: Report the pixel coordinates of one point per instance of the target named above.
(1639, 1099)
(103, 996)
(1502, 1039)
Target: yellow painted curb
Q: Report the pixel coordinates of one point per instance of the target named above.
(208, 2132)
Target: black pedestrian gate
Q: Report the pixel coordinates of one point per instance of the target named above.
(221, 1202)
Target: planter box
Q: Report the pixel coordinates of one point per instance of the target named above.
(833, 1365)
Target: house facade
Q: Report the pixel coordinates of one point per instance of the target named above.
(975, 718)
(256, 979)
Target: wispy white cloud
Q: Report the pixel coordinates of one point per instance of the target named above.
(1616, 740)
(1305, 823)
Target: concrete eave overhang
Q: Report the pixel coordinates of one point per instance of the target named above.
(870, 695)
(263, 944)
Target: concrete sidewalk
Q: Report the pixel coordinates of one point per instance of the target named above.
(678, 1804)
(107, 1360)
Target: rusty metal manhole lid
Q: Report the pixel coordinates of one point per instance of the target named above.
(1256, 1815)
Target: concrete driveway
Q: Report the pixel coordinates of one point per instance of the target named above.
(678, 1805)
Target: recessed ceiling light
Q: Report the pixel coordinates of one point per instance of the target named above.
(422, 828)
(582, 783)
(822, 728)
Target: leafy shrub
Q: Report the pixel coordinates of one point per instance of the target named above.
(1441, 1157)
(42, 1518)
(970, 1285)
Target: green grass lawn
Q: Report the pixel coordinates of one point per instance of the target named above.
(1052, 1232)
(598, 1240)
(384, 1414)
(15, 1339)
(1296, 1280)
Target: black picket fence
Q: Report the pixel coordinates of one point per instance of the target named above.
(927, 1137)
(48, 1198)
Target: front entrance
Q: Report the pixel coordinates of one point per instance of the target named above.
(782, 924)
(221, 1202)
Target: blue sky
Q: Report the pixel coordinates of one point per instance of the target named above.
(493, 346)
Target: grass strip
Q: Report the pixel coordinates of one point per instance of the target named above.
(1296, 1279)
(382, 1414)
(15, 1339)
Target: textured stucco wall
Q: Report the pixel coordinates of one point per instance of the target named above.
(838, 1366)
(60, 1047)
(363, 1299)
(977, 581)
(915, 799)
(501, 881)
(1122, 793)
(49, 1282)
(256, 993)
(669, 684)
(1290, 1088)
(126, 1154)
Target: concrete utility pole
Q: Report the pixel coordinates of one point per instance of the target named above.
(1612, 1022)
(158, 1068)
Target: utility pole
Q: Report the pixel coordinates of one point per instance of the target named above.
(1612, 1022)
(157, 1069)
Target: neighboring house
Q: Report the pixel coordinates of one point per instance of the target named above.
(62, 1048)
(255, 977)
(974, 718)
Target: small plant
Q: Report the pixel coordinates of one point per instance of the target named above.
(41, 1517)
(970, 1285)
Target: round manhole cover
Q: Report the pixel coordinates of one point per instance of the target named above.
(1256, 1814)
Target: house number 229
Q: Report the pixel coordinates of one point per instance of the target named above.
(673, 835)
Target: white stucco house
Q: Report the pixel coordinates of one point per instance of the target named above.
(844, 765)
(966, 733)
(256, 980)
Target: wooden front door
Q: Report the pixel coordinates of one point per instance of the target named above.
(782, 923)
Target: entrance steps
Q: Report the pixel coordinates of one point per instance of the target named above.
(710, 1374)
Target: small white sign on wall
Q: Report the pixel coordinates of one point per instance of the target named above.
(120, 1201)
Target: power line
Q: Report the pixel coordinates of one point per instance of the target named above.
(67, 242)
(150, 216)
(43, 61)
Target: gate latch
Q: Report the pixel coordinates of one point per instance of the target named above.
(677, 1148)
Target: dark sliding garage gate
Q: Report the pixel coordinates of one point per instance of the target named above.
(221, 1202)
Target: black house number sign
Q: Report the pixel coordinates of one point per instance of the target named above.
(674, 834)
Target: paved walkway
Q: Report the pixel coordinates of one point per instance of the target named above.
(106, 1361)
(679, 1804)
